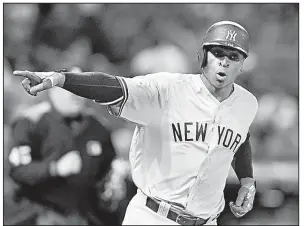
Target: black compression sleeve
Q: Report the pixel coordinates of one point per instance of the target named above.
(243, 160)
(98, 86)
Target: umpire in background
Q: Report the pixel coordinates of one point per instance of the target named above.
(60, 152)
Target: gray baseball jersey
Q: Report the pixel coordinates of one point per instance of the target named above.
(185, 138)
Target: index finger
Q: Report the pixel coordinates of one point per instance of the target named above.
(28, 74)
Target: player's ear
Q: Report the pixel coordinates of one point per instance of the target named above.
(242, 64)
(241, 68)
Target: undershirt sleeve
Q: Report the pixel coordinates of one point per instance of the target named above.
(242, 162)
(101, 87)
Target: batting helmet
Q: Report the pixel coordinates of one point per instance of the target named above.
(224, 33)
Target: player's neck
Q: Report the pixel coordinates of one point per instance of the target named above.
(219, 93)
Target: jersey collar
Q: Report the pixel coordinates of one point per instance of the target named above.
(201, 87)
(198, 83)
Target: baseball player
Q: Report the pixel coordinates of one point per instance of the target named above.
(190, 129)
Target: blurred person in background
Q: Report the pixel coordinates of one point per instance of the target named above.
(121, 169)
(60, 152)
(159, 103)
(116, 189)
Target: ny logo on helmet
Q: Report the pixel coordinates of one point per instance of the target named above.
(231, 35)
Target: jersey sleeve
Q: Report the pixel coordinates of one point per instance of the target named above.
(248, 108)
(144, 97)
(254, 106)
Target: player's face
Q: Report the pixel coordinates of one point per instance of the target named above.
(66, 102)
(223, 66)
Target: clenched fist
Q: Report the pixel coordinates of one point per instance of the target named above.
(35, 82)
(69, 164)
(244, 201)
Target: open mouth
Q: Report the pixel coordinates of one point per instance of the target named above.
(222, 74)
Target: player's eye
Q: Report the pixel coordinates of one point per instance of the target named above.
(234, 57)
(217, 52)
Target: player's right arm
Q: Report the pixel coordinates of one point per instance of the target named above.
(138, 99)
(99, 86)
(145, 97)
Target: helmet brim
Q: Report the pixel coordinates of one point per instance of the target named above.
(227, 44)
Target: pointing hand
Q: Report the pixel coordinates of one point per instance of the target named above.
(35, 82)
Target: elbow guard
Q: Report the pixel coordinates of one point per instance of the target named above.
(98, 86)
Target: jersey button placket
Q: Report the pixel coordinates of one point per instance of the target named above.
(216, 121)
(218, 115)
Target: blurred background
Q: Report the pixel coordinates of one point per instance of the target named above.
(135, 39)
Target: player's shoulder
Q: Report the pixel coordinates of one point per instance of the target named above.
(246, 96)
(172, 79)
(33, 113)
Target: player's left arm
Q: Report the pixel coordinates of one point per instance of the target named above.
(242, 165)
